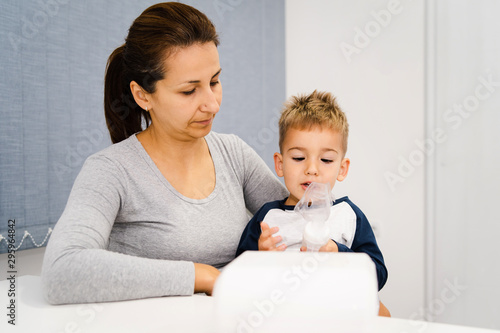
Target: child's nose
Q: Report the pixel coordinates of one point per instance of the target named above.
(312, 169)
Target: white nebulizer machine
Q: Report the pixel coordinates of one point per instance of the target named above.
(271, 291)
(314, 207)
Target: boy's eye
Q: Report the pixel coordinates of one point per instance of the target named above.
(298, 159)
(189, 92)
(325, 160)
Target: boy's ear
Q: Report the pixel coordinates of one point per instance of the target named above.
(140, 96)
(344, 169)
(278, 164)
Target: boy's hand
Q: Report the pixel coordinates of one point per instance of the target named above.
(331, 246)
(266, 240)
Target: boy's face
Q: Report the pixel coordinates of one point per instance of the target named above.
(313, 155)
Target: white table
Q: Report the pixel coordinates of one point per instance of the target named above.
(164, 314)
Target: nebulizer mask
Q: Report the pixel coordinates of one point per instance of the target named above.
(314, 207)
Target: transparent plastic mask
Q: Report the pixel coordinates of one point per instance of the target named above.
(314, 207)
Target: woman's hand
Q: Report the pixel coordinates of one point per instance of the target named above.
(204, 278)
(267, 242)
(331, 246)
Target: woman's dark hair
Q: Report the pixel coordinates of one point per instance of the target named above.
(155, 34)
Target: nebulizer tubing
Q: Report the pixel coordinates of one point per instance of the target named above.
(314, 207)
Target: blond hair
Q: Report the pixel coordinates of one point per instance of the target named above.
(304, 112)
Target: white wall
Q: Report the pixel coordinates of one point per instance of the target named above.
(380, 86)
(465, 264)
(422, 93)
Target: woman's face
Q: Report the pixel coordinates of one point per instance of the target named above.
(186, 100)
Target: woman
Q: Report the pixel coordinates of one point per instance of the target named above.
(161, 209)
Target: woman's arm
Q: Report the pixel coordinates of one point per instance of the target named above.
(78, 267)
(260, 184)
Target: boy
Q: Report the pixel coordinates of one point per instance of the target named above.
(313, 144)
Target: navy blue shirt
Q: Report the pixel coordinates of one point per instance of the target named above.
(363, 238)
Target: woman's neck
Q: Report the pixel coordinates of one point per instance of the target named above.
(186, 164)
(166, 148)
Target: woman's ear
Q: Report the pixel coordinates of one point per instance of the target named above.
(278, 164)
(344, 169)
(140, 96)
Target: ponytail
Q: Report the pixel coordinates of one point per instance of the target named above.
(123, 115)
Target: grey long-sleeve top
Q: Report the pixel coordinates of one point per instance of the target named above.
(126, 233)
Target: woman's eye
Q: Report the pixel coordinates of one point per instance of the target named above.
(189, 92)
(298, 159)
(214, 83)
(325, 160)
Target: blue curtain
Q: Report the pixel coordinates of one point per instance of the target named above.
(53, 55)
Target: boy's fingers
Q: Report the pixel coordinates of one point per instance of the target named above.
(269, 243)
(266, 239)
(282, 247)
(331, 246)
(266, 231)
